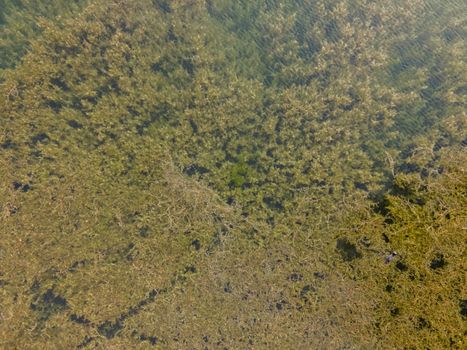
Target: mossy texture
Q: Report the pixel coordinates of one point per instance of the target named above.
(233, 175)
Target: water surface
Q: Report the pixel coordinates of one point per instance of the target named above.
(233, 175)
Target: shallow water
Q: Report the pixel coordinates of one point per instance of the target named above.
(229, 175)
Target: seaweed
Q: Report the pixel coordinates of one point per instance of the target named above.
(257, 161)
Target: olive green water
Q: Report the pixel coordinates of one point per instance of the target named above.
(232, 174)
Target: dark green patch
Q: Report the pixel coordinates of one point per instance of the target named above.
(110, 329)
(48, 304)
(438, 262)
(463, 307)
(401, 266)
(347, 250)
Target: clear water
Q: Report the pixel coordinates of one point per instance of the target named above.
(233, 175)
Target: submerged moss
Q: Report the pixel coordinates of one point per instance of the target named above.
(165, 171)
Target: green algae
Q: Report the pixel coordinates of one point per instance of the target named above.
(22, 21)
(217, 175)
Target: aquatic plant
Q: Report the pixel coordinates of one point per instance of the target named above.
(168, 167)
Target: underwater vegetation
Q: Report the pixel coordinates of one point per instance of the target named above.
(233, 175)
(22, 20)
